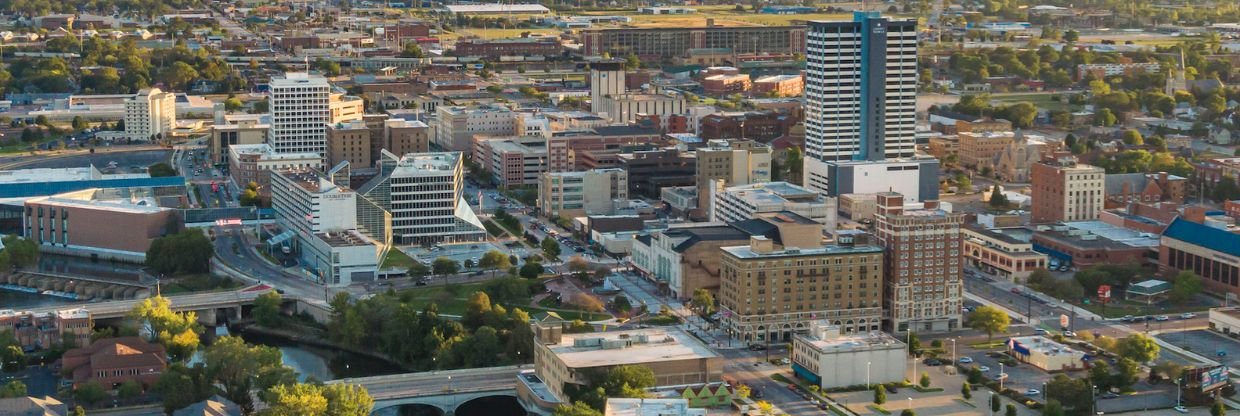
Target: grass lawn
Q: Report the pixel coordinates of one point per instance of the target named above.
(1041, 100)
(397, 259)
(493, 229)
(453, 298)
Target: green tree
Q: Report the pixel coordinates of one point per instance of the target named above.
(78, 411)
(494, 260)
(965, 391)
(794, 159)
(21, 252)
(964, 183)
(990, 320)
(975, 375)
(1100, 375)
(1132, 137)
(1184, 287)
(531, 270)
(1073, 393)
(1127, 374)
(1010, 410)
(417, 270)
(703, 302)
(1104, 117)
(176, 331)
(181, 386)
(1052, 408)
(347, 400)
(880, 394)
(1070, 36)
(925, 380)
(13, 389)
(267, 309)
(444, 266)
(1138, 347)
(908, 412)
(1021, 115)
(550, 248)
(998, 199)
(240, 368)
(994, 403)
(476, 310)
(90, 393)
(261, 107)
(12, 358)
(1218, 409)
(578, 408)
(411, 50)
(914, 343)
(232, 104)
(186, 252)
(294, 400)
(178, 75)
(628, 381)
(129, 390)
(161, 169)
(79, 123)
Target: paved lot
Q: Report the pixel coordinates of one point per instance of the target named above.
(101, 159)
(943, 403)
(460, 252)
(1207, 343)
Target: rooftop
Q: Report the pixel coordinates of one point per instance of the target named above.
(773, 193)
(497, 8)
(638, 346)
(1043, 345)
(437, 163)
(651, 407)
(93, 199)
(297, 78)
(746, 252)
(350, 238)
(777, 78)
(403, 123)
(310, 179)
(1216, 239)
(827, 339)
(1098, 233)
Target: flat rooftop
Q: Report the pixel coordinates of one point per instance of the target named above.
(427, 163)
(50, 175)
(349, 238)
(91, 199)
(773, 192)
(651, 407)
(605, 349)
(310, 179)
(1045, 346)
(746, 252)
(874, 340)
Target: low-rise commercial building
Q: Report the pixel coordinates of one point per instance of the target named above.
(776, 286)
(113, 361)
(1043, 353)
(739, 203)
(779, 85)
(829, 359)
(724, 84)
(1002, 253)
(86, 223)
(1211, 251)
(254, 163)
(651, 407)
(1087, 243)
(859, 207)
(980, 150)
(232, 130)
(675, 357)
(685, 257)
(1225, 320)
(36, 331)
(574, 194)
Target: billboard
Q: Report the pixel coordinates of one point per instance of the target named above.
(1213, 378)
(1104, 293)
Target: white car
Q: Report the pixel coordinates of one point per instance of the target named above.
(965, 360)
(984, 369)
(1181, 409)
(1188, 315)
(1162, 318)
(1069, 334)
(1032, 392)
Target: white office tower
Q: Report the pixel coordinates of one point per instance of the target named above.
(150, 115)
(860, 93)
(606, 79)
(300, 112)
(424, 194)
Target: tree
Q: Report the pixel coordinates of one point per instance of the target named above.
(964, 183)
(795, 160)
(186, 252)
(79, 123)
(1073, 393)
(261, 107)
(476, 310)
(703, 301)
(176, 331)
(621, 303)
(998, 199)
(974, 376)
(764, 407)
(742, 391)
(880, 394)
(965, 391)
(1184, 287)
(1010, 410)
(129, 390)
(550, 247)
(578, 408)
(578, 266)
(13, 389)
(411, 50)
(1138, 347)
(161, 169)
(12, 358)
(994, 403)
(232, 104)
(178, 75)
(1053, 408)
(78, 411)
(181, 386)
(1218, 409)
(531, 270)
(240, 368)
(1100, 375)
(1070, 36)
(1168, 370)
(444, 266)
(90, 393)
(21, 252)
(468, 264)
(628, 381)
(418, 270)
(990, 320)
(1021, 115)
(294, 400)
(914, 343)
(1132, 137)
(907, 412)
(925, 380)
(1104, 117)
(1128, 373)
(267, 309)
(494, 260)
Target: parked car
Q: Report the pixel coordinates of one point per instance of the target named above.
(1033, 392)
(984, 369)
(1188, 315)
(1040, 331)
(932, 362)
(1162, 318)
(1181, 409)
(1108, 395)
(965, 360)
(1016, 290)
(1127, 318)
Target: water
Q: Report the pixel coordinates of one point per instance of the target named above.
(19, 300)
(322, 364)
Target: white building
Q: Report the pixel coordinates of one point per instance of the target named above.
(860, 92)
(739, 203)
(300, 112)
(606, 79)
(150, 114)
(624, 108)
(573, 194)
(916, 179)
(423, 192)
(319, 219)
(456, 126)
(651, 407)
(830, 360)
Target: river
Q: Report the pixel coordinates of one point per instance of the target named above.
(20, 300)
(322, 364)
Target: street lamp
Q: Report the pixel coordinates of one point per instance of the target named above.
(867, 375)
(1002, 376)
(989, 407)
(910, 403)
(953, 340)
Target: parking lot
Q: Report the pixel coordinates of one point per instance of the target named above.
(1208, 344)
(460, 252)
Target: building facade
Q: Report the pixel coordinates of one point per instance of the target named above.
(1212, 252)
(1001, 254)
(36, 331)
(300, 113)
(923, 290)
(456, 126)
(349, 142)
(860, 93)
(739, 203)
(829, 359)
(151, 115)
(254, 163)
(574, 194)
(86, 223)
(657, 43)
(1064, 190)
(685, 257)
(512, 161)
(423, 192)
(113, 361)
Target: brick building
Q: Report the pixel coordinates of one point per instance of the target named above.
(657, 43)
(923, 290)
(779, 85)
(495, 48)
(1064, 190)
(35, 331)
(762, 126)
(87, 223)
(112, 361)
(1122, 189)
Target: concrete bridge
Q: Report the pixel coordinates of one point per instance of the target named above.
(206, 305)
(443, 390)
(86, 287)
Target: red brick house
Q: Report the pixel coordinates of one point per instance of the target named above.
(114, 361)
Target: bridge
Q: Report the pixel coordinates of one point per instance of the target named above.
(205, 304)
(444, 390)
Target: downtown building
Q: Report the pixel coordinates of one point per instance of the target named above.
(151, 115)
(300, 112)
(860, 109)
(423, 194)
(923, 290)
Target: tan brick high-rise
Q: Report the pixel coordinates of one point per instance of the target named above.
(922, 287)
